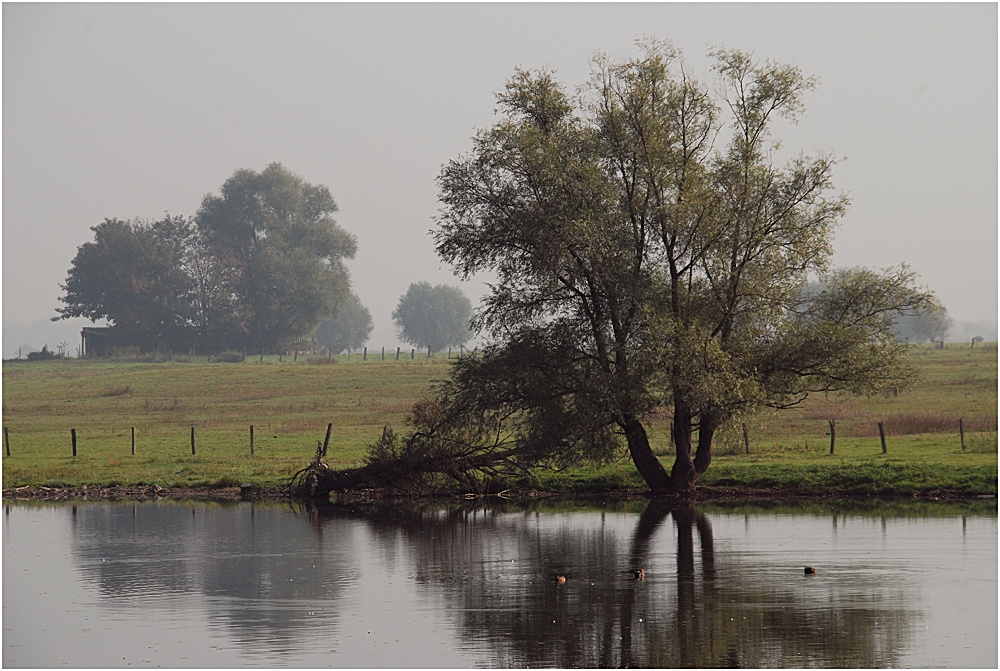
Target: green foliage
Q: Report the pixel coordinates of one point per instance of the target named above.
(349, 329)
(278, 232)
(130, 275)
(258, 267)
(661, 270)
(433, 316)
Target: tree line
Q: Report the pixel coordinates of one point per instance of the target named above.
(259, 267)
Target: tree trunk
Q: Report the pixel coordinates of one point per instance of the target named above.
(645, 461)
(683, 474)
(706, 431)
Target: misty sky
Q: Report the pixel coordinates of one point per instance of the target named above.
(132, 110)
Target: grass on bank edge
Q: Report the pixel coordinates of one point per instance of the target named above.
(290, 403)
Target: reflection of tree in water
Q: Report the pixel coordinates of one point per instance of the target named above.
(265, 563)
(495, 569)
(492, 572)
(725, 621)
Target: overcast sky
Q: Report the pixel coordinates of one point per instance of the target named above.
(131, 110)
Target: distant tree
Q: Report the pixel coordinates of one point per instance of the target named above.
(276, 234)
(932, 324)
(433, 316)
(131, 276)
(349, 329)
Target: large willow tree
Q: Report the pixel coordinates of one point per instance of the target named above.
(649, 254)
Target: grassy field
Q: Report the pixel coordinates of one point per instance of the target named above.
(290, 403)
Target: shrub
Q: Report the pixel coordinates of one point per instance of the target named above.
(43, 355)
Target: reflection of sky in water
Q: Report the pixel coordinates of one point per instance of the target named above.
(244, 585)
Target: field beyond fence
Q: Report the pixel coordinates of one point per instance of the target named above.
(189, 423)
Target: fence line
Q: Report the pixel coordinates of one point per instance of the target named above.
(832, 433)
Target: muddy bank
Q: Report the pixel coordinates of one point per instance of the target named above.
(707, 494)
(139, 493)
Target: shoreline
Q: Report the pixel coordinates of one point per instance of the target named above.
(237, 494)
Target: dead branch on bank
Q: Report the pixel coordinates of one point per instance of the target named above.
(480, 459)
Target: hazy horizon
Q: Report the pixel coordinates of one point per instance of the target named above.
(132, 110)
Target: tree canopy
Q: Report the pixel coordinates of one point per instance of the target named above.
(433, 316)
(349, 329)
(276, 231)
(131, 275)
(649, 254)
(260, 265)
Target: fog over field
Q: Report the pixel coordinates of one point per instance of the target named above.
(133, 110)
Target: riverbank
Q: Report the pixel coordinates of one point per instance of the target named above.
(704, 494)
(207, 428)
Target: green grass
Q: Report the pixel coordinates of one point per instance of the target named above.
(290, 403)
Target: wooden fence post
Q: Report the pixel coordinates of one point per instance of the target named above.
(833, 435)
(746, 439)
(6, 440)
(383, 353)
(413, 354)
(133, 441)
(326, 441)
(192, 440)
(251, 440)
(72, 434)
(397, 354)
(961, 432)
(881, 435)
(364, 357)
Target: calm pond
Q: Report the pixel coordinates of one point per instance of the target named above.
(179, 584)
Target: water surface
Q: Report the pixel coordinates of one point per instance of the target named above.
(210, 585)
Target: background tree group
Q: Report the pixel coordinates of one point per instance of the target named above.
(258, 266)
(649, 254)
